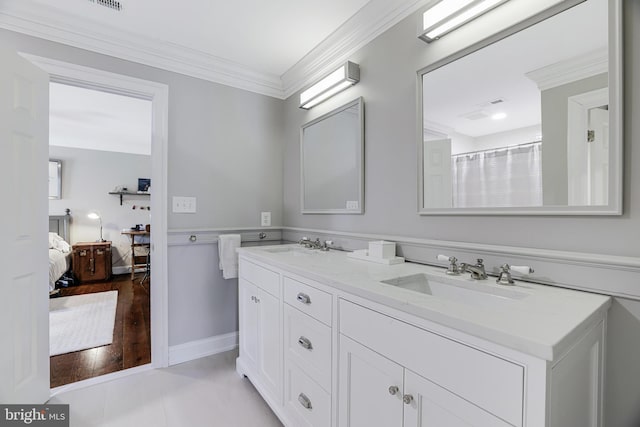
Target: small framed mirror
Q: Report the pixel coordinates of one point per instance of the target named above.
(528, 122)
(331, 161)
(55, 179)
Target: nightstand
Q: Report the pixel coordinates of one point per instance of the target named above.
(92, 261)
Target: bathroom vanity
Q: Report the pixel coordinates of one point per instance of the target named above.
(332, 341)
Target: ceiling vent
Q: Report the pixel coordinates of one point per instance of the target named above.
(496, 101)
(111, 4)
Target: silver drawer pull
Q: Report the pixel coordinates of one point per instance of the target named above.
(303, 298)
(305, 343)
(304, 401)
(407, 398)
(393, 390)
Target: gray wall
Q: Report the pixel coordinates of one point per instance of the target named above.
(87, 178)
(224, 148)
(555, 181)
(388, 85)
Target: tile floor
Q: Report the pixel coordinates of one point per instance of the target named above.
(203, 392)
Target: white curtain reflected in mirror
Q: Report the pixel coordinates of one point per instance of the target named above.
(523, 124)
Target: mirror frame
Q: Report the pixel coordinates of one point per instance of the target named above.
(360, 159)
(55, 181)
(616, 173)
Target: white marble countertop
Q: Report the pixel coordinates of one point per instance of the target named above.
(543, 321)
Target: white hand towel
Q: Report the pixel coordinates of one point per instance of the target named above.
(227, 244)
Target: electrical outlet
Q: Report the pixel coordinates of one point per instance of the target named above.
(265, 219)
(184, 204)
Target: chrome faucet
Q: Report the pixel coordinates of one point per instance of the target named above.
(477, 271)
(315, 244)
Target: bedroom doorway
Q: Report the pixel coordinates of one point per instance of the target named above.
(100, 147)
(155, 201)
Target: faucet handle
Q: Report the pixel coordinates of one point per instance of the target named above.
(522, 269)
(453, 269)
(326, 245)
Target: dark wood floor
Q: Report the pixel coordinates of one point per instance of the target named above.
(131, 337)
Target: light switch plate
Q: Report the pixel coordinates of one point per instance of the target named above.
(183, 204)
(265, 219)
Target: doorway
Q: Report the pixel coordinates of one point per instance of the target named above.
(102, 145)
(79, 76)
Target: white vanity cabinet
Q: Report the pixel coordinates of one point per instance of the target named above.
(307, 353)
(338, 348)
(377, 391)
(260, 312)
(406, 376)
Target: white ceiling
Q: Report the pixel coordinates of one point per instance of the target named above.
(273, 47)
(267, 36)
(465, 87)
(94, 120)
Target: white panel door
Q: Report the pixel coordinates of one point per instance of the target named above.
(24, 287)
(432, 406)
(599, 157)
(370, 387)
(248, 319)
(437, 176)
(270, 343)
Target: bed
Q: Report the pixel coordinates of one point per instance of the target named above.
(59, 247)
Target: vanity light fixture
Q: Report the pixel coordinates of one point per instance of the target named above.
(347, 75)
(447, 15)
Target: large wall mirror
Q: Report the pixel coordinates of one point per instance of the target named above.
(331, 161)
(530, 123)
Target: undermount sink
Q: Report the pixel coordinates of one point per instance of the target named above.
(455, 289)
(290, 250)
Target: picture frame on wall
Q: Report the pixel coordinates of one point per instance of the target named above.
(55, 179)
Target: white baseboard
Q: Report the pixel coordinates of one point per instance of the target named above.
(201, 348)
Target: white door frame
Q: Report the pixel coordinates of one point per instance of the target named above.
(158, 94)
(578, 107)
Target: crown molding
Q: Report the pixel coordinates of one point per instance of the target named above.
(373, 19)
(571, 70)
(44, 22)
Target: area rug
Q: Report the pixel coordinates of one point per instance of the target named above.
(81, 321)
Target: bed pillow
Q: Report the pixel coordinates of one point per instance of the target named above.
(53, 238)
(57, 242)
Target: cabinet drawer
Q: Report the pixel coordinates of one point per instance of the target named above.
(490, 382)
(308, 343)
(308, 300)
(260, 276)
(305, 400)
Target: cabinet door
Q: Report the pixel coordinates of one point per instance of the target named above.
(100, 254)
(433, 406)
(248, 323)
(269, 342)
(370, 388)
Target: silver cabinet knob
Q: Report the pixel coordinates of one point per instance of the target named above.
(303, 298)
(407, 398)
(304, 401)
(305, 343)
(393, 390)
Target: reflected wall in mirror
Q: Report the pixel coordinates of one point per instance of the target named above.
(331, 161)
(530, 124)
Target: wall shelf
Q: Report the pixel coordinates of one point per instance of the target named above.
(127, 193)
